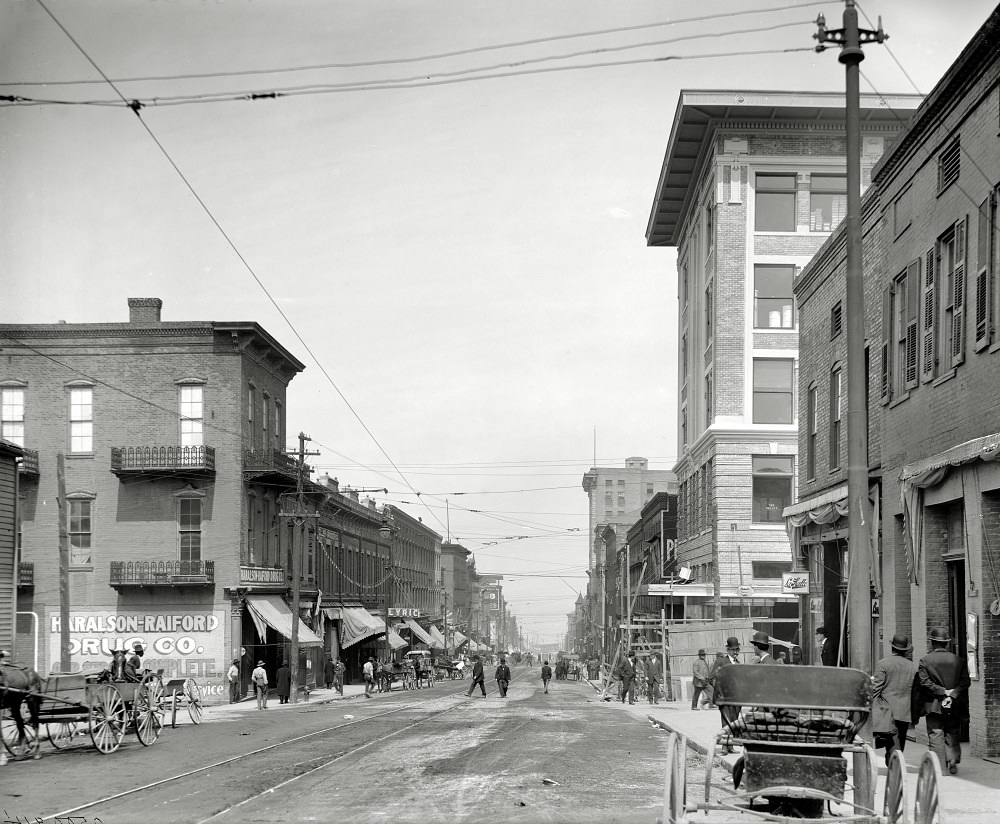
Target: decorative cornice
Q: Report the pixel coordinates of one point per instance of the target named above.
(118, 330)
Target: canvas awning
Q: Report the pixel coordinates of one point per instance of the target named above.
(357, 624)
(272, 611)
(459, 638)
(397, 641)
(418, 632)
(438, 637)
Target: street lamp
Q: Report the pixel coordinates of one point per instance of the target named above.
(386, 531)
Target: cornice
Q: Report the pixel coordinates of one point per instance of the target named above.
(69, 331)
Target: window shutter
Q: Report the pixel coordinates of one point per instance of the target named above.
(958, 297)
(912, 310)
(982, 277)
(886, 332)
(929, 317)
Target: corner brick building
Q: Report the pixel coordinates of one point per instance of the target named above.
(751, 186)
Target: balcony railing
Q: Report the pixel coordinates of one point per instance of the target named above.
(162, 573)
(29, 464)
(25, 574)
(137, 460)
(270, 460)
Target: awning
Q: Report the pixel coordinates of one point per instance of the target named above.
(272, 611)
(356, 624)
(438, 637)
(397, 641)
(418, 632)
(459, 638)
(831, 496)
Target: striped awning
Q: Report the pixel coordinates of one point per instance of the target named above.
(418, 632)
(438, 637)
(272, 611)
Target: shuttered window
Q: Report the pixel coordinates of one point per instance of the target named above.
(951, 276)
(984, 320)
(949, 164)
(929, 317)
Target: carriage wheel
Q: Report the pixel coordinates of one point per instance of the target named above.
(108, 717)
(709, 766)
(926, 808)
(61, 733)
(868, 802)
(19, 743)
(193, 696)
(147, 714)
(894, 808)
(675, 781)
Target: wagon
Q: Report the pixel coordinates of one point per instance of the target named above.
(794, 725)
(423, 667)
(182, 693)
(394, 673)
(79, 703)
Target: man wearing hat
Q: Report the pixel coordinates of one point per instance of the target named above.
(944, 685)
(369, 674)
(762, 642)
(259, 680)
(827, 651)
(701, 674)
(133, 666)
(893, 684)
(729, 714)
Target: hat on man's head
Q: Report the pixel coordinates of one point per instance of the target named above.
(732, 642)
(821, 630)
(761, 637)
(260, 663)
(137, 645)
(939, 634)
(701, 652)
(901, 642)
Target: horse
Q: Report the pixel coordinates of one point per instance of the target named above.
(21, 685)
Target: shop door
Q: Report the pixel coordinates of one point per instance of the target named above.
(956, 617)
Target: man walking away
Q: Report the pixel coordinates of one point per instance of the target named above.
(328, 672)
(234, 681)
(701, 676)
(259, 679)
(478, 677)
(944, 686)
(546, 676)
(502, 676)
(369, 673)
(627, 671)
(283, 681)
(893, 686)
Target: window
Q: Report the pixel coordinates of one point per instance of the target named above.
(189, 529)
(277, 425)
(265, 532)
(951, 294)
(685, 284)
(949, 164)
(985, 271)
(827, 202)
(772, 391)
(708, 314)
(773, 307)
(836, 320)
(902, 212)
(608, 482)
(708, 398)
(621, 500)
(774, 209)
(684, 427)
(772, 487)
(709, 229)
(811, 436)
(684, 358)
(80, 531)
(12, 414)
(608, 500)
(192, 415)
(649, 489)
(251, 526)
(81, 419)
(836, 396)
(263, 419)
(766, 570)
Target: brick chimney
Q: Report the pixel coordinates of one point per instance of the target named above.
(142, 311)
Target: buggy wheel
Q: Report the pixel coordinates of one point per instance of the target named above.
(894, 808)
(709, 766)
(19, 743)
(147, 713)
(108, 717)
(868, 802)
(61, 733)
(193, 696)
(926, 809)
(675, 781)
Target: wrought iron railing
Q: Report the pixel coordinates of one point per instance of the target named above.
(25, 574)
(162, 573)
(259, 460)
(162, 458)
(29, 462)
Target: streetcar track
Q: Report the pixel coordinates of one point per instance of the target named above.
(227, 761)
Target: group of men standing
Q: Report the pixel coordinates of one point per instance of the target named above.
(629, 671)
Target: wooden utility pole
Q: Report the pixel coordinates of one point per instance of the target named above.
(64, 656)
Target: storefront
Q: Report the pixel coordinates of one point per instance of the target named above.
(267, 633)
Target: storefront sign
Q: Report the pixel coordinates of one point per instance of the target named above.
(182, 643)
(795, 583)
(261, 575)
(492, 598)
(404, 612)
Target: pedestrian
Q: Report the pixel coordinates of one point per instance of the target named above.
(546, 676)
(283, 681)
(627, 672)
(944, 686)
(894, 683)
(339, 669)
(729, 713)
(653, 678)
(796, 655)
(329, 672)
(477, 677)
(259, 679)
(720, 659)
(233, 676)
(502, 676)
(782, 657)
(701, 674)
(827, 651)
(762, 643)
(369, 672)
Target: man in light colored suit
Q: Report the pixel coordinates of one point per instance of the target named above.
(893, 684)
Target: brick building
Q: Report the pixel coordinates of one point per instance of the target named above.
(10, 455)
(751, 186)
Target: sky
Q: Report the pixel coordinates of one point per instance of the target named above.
(442, 214)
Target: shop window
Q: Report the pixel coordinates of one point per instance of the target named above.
(770, 570)
(772, 487)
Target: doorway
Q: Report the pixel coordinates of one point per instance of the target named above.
(957, 629)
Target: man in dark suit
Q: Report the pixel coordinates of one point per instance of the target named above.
(729, 714)
(944, 685)
(477, 677)
(627, 672)
(827, 649)
(762, 641)
(893, 685)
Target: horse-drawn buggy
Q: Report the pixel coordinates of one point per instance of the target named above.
(102, 704)
(423, 667)
(449, 669)
(794, 726)
(395, 672)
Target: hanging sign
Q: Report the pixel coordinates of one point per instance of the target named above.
(795, 583)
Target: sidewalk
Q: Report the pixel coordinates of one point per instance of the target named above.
(316, 696)
(971, 797)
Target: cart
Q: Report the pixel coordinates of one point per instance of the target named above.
(396, 673)
(423, 668)
(795, 724)
(182, 693)
(75, 704)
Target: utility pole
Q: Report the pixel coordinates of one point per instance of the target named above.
(63, 565)
(387, 531)
(850, 39)
(299, 518)
(445, 596)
